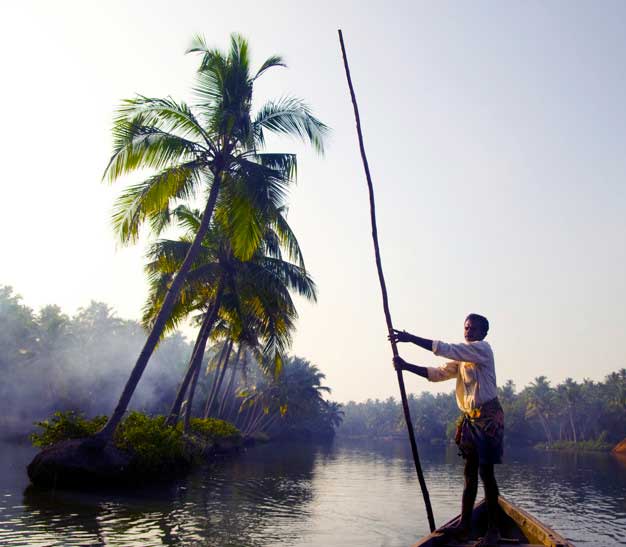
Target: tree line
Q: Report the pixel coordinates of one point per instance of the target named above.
(589, 414)
(51, 361)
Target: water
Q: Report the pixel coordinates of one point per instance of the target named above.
(344, 494)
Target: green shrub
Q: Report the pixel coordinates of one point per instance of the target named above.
(594, 445)
(214, 430)
(155, 445)
(65, 425)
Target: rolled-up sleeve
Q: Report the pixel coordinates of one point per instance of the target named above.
(444, 372)
(472, 352)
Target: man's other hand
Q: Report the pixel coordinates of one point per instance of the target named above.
(399, 363)
(400, 336)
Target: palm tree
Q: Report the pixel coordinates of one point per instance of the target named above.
(540, 403)
(202, 148)
(295, 395)
(569, 393)
(252, 296)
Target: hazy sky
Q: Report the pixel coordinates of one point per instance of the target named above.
(495, 133)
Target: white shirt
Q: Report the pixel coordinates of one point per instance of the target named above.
(474, 369)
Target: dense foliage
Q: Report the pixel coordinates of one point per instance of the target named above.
(51, 361)
(290, 406)
(54, 363)
(587, 415)
(214, 430)
(155, 446)
(65, 425)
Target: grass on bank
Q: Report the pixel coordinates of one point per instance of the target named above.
(594, 445)
(154, 445)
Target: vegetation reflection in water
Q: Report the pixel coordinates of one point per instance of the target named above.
(343, 494)
(245, 502)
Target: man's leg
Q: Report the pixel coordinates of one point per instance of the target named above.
(491, 494)
(469, 491)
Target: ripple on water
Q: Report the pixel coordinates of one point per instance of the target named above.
(347, 495)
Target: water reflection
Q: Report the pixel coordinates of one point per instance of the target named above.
(348, 493)
(249, 501)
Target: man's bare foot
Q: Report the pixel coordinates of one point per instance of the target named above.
(491, 538)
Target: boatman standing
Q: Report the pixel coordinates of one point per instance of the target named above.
(480, 428)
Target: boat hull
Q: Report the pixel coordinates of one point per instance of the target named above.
(517, 527)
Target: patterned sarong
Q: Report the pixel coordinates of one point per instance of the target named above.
(481, 433)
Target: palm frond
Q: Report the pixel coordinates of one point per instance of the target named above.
(270, 62)
(239, 53)
(153, 196)
(164, 114)
(293, 276)
(242, 222)
(189, 219)
(285, 164)
(287, 238)
(290, 116)
(137, 146)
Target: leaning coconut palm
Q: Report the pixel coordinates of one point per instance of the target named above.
(217, 250)
(201, 149)
(253, 295)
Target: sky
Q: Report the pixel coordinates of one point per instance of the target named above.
(494, 133)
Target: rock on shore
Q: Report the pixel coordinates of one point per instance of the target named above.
(76, 463)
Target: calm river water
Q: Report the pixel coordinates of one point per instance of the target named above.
(344, 494)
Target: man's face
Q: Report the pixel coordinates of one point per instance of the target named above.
(473, 331)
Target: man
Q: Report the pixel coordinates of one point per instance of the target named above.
(480, 430)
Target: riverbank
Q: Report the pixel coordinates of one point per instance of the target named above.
(580, 446)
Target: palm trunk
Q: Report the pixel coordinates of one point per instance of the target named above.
(106, 433)
(544, 424)
(254, 426)
(196, 357)
(192, 391)
(571, 421)
(216, 381)
(383, 288)
(241, 419)
(265, 426)
(229, 386)
(218, 368)
(252, 416)
(231, 411)
(198, 366)
(216, 394)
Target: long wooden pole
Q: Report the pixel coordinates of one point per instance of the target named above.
(383, 288)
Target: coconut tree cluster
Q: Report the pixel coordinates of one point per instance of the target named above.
(587, 414)
(236, 261)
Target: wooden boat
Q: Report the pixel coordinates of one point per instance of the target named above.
(517, 527)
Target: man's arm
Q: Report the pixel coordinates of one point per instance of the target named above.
(472, 352)
(404, 336)
(432, 374)
(401, 364)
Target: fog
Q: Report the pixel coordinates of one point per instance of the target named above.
(50, 361)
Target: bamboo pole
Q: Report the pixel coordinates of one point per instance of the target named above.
(383, 288)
